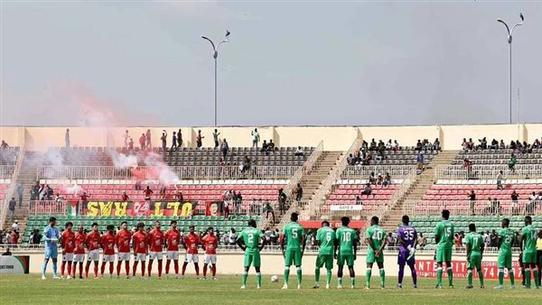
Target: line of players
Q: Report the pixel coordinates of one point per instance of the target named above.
(119, 245)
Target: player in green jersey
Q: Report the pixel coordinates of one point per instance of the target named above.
(506, 236)
(444, 237)
(347, 239)
(375, 237)
(325, 238)
(528, 245)
(250, 241)
(475, 250)
(292, 245)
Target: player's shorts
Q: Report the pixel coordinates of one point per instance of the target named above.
(93, 255)
(174, 255)
(529, 257)
(67, 257)
(123, 256)
(108, 258)
(209, 259)
(292, 256)
(140, 257)
(444, 254)
(156, 255)
(371, 257)
(252, 259)
(51, 253)
(346, 258)
(505, 260)
(324, 260)
(403, 257)
(475, 261)
(79, 258)
(191, 258)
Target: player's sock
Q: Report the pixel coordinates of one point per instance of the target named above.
(339, 281)
(511, 275)
(204, 270)
(176, 266)
(535, 275)
(401, 274)
(102, 269)
(184, 269)
(259, 279)
(95, 269)
(111, 268)
(159, 268)
(213, 270)
(87, 267)
(439, 276)
(143, 268)
(127, 267)
(134, 268)
(317, 275)
(149, 268)
(368, 277)
(286, 275)
(481, 276)
(414, 275)
(299, 275)
(196, 266)
(382, 277)
(62, 268)
(167, 266)
(328, 277)
(118, 267)
(69, 268)
(501, 277)
(244, 278)
(353, 281)
(55, 268)
(450, 276)
(469, 277)
(528, 277)
(80, 270)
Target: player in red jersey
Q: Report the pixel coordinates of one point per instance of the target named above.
(156, 244)
(210, 243)
(93, 246)
(139, 243)
(123, 248)
(173, 239)
(79, 257)
(108, 246)
(191, 244)
(67, 242)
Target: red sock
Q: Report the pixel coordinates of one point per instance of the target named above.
(135, 268)
(87, 267)
(95, 269)
(102, 269)
(176, 266)
(111, 268)
(167, 266)
(127, 267)
(204, 270)
(150, 267)
(184, 268)
(143, 268)
(62, 267)
(69, 268)
(196, 266)
(213, 270)
(159, 268)
(119, 263)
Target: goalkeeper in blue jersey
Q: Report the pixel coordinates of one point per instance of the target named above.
(51, 236)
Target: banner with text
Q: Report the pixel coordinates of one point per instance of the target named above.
(428, 268)
(137, 209)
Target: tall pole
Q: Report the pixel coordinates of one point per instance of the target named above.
(215, 57)
(216, 94)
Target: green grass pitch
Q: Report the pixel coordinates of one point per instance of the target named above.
(30, 289)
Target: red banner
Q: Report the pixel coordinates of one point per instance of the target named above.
(428, 268)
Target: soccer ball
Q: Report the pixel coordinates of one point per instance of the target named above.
(274, 278)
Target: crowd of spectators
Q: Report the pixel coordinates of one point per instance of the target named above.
(493, 205)
(517, 146)
(377, 151)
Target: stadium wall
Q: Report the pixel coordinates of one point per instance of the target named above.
(333, 137)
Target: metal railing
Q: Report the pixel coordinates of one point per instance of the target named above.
(408, 180)
(480, 207)
(183, 172)
(363, 171)
(521, 171)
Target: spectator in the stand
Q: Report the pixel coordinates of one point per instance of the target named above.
(4, 145)
(458, 240)
(436, 145)
(494, 144)
(299, 152)
(255, 138)
(499, 181)
(173, 142)
(467, 164)
(389, 145)
(49, 193)
(496, 205)
(502, 145)
(142, 142)
(148, 139)
(358, 200)
(512, 162)
(264, 146)
(179, 196)
(465, 144)
(483, 143)
(126, 139)
(84, 202)
(268, 210)
(270, 145)
(11, 208)
(387, 180)
(237, 201)
(35, 237)
(67, 138)
(20, 192)
(232, 237)
(199, 139)
(13, 237)
(472, 201)
(245, 164)
(390, 240)
(131, 144)
(224, 148)
(422, 241)
(215, 138)
(124, 197)
(396, 146)
(298, 192)
(282, 201)
(487, 239)
(493, 239)
(368, 190)
(537, 144)
(419, 145)
(148, 193)
(163, 139)
(163, 191)
(515, 205)
(531, 205)
(15, 226)
(180, 138)
(419, 162)
(350, 160)
(379, 179)
(372, 178)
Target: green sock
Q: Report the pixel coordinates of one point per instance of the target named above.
(481, 276)
(527, 277)
(328, 277)
(469, 277)
(245, 276)
(353, 282)
(299, 275)
(536, 280)
(259, 279)
(450, 277)
(439, 276)
(511, 275)
(382, 277)
(286, 275)
(317, 275)
(501, 277)
(340, 281)
(368, 277)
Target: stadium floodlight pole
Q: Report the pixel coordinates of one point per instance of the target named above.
(215, 57)
(510, 31)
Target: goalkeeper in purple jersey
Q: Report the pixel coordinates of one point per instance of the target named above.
(407, 238)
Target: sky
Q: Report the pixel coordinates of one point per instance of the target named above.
(286, 62)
